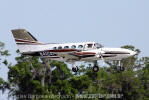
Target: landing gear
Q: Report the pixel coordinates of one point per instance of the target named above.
(120, 66)
(95, 68)
(75, 69)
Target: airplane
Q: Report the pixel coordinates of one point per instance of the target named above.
(69, 52)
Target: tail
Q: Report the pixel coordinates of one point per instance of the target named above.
(24, 40)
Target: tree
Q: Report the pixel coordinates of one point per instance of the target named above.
(144, 77)
(3, 53)
(25, 76)
(31, 76)
(110, 80)
(35, 76)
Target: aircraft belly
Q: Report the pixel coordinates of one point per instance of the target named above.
(116, 57)
(89, 59)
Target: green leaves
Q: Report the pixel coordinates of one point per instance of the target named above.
(30, 73)
(3, 53)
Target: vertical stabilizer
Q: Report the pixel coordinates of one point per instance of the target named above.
(24, 39)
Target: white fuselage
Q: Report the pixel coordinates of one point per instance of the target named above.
(110, 54)
(86, 51)
(68, 52)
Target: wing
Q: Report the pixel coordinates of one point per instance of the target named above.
(83, 54)
(67, 54)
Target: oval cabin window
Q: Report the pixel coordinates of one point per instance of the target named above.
(54, 48)
(59, 47)
(80, 46)
(73, 46)
(66, 47)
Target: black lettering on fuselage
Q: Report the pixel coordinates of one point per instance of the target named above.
(46, 53)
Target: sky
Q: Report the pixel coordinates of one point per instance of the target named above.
(113, 23)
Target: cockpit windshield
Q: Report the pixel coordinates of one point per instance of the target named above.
(97, 45)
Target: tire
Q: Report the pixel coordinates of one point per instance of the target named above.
(95, 68)
(75, 69)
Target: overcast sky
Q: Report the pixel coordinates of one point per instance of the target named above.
(113, 23)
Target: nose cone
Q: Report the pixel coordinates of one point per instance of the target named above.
(132, 53)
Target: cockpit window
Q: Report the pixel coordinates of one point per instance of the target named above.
(80, 46)
(89, 45)
(73, 46)
(66, 47)
(97, 45)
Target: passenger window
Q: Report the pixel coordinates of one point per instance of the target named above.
(80, 46)
(54, 48)
(59, 47)
(66, 47)
(73, 46)
(89, 45)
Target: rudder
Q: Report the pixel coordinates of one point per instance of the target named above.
(23, 39)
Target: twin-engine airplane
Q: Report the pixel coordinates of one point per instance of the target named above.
(69, 52)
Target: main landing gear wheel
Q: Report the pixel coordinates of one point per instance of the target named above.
(95, 68)
(75, 69)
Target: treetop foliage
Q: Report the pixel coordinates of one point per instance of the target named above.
(35, 76)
